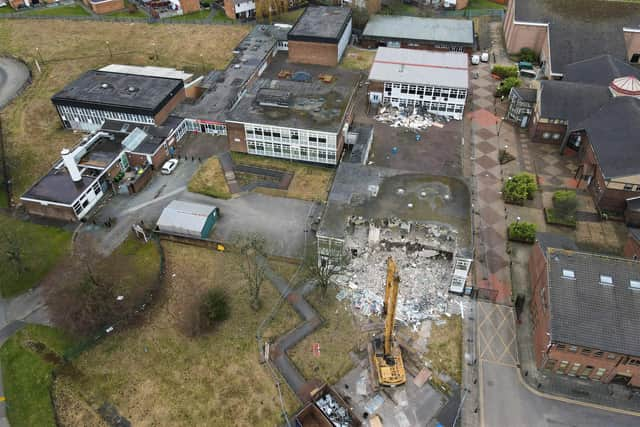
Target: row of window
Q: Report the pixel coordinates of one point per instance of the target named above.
(83, 201)
(89, 115)
(576, 370)
(436, 107)
(549, 135)
(291, 152)
(290, 136)
(584, 351)
(605, 279)
(420, 91)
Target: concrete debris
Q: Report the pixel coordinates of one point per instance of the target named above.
(411, 117)
(338, 415)
(423, 254)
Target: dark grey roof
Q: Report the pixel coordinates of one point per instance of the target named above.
(570, 101)
(600, 70)
(526, 94)
(586, 313)
(581, 29)
(119, 92)
(635, 232)
(555, 240)
(458, 31)
(57, 187)
(613, 133)
(321, 23)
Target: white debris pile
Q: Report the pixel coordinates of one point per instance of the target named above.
(337, 414)
(425, 273)
(410, 117)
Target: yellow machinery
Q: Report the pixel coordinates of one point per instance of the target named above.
(387, 357)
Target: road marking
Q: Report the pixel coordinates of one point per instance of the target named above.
(496, 362)
(156, 200)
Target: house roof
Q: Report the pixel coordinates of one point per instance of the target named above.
(585, 312)
(447, 69)
(581, 29)
(321, 24)
(599, 70)
(423, 29)
(555, 240)
(119, 92)
(570, 101)
(613, 133)
(526, 94)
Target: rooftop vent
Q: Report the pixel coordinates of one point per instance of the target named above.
(132, 89)
(606, 280)
(105, 86)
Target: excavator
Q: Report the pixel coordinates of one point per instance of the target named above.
(386, 356)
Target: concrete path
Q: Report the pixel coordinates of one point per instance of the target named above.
(13, 76)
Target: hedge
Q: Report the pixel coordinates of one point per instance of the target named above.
(522, 232)
(519, 188)
(505, 71)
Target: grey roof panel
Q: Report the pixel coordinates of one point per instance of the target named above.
(447, 69)
(324, 23)
(587, 313)
(423, 29)
(184, 218)
(571, 101)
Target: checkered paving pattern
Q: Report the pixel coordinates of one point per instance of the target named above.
(492, 266)
(496, 334)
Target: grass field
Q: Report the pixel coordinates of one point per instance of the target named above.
(309, 182)
(337, 336)
(41, 248)
(444, 349)
(27, 359)
(31, 125)
(6, 9)
(209, 180)
(357, 59)
(155, 375)
(70, 10)
(484, 4)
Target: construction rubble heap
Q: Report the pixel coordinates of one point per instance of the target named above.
(423, 253)
(338, 415)
(410, 117)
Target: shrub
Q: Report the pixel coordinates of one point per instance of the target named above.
(519, 188)
(522, 232)
(565, 203)
(528, 55)
(215, 306)
(505, 71)
(505, 86)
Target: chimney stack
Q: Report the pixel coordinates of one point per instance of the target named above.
(70, 164)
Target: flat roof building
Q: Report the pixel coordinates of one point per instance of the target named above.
(97, 96)
(434, 81)
(418, 33)
(321, 35)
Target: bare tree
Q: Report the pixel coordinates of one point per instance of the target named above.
(267, 8)
(324, 269)
(252, 250)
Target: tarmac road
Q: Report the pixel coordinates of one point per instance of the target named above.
(13, 75)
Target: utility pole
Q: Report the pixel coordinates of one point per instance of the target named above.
(6, 177)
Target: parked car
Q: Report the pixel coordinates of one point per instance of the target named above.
(169, 166)
(484, 57)
(475, 59)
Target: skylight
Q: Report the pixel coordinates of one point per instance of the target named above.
(606, 280)
(634, 284)
(570, 274)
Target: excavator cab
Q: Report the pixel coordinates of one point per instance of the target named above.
(387, 356)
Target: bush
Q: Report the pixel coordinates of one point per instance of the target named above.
(528, 55)
(215, 307)
(522, 232)
(519, 188)
(505, 71)
(505, 86)
(565, 202)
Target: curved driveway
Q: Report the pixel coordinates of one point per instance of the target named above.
(13, 75)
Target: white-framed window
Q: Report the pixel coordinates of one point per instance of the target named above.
(568, 274)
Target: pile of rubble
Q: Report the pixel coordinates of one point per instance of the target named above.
(410, 117)
(424, 265)
(338, 415)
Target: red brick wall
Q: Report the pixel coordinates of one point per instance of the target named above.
(631, 248)
(106, 7)
(537, 129)
(519, 36)
(236, 137)
(50, 211)
(313, 53)
(539, 303)
(229, 9)
(162, 115)
(190, 6)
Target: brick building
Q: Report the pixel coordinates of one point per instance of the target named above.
(568, 31)
(104, 6)
(584, 309)
(320, 36)
(418, 33)
(632, 246)
(435, 81)
(97, 96)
